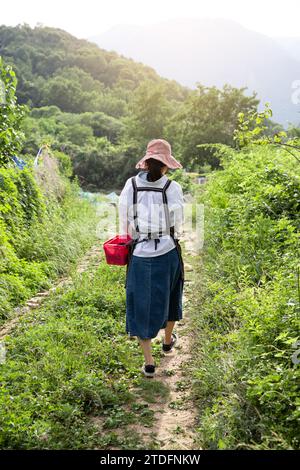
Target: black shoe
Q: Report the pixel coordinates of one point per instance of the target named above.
(148, 370)
(168, 347)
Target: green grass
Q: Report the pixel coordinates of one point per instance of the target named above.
(153, 390)
(71, 360)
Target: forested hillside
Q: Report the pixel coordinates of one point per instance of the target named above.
(102, 108)
(83, 95)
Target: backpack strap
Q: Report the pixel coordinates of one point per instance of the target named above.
(149, 188)
(165, 201)
(134, 186)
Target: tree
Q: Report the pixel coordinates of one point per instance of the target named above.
(255, 130)
(80, 135)
(149, 112)
(208, 116)
(69, 95)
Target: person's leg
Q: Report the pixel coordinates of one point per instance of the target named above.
(168, 332)
(147, 350)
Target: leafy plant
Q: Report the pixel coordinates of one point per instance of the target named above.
(245, 379)
(11, 114)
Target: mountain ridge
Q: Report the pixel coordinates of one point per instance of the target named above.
(213, 51)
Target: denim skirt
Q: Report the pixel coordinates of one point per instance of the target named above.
(153, 293)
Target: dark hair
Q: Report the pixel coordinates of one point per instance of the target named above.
(154, 169)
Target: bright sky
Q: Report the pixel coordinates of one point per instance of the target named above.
(86, 18)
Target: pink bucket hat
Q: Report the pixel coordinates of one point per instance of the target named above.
(159, 149)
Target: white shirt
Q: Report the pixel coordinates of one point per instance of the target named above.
(150, 211)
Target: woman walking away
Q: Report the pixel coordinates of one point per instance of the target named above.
(151, 212)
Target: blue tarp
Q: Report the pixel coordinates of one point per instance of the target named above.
(19, 162)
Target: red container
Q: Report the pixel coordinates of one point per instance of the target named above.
(116, 250)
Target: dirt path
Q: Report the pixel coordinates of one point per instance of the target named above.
(176, 420)
(90, 258)
(175, 417)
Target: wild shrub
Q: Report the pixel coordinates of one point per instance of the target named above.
(247, 383)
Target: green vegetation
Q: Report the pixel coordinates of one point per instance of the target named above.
(247, 384)
(80, 98)
(44, 225)
(39, 237)
(208, 116)
(66, 381)
(10, 115)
